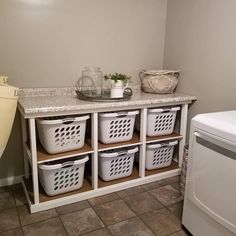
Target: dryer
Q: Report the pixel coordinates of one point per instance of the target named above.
(210, 197)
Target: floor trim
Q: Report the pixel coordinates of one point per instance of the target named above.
(10, 180)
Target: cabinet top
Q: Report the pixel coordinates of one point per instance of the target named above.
(42, 102)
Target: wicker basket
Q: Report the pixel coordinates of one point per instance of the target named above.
(159, 81)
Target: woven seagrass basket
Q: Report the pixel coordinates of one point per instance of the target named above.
(159, 81)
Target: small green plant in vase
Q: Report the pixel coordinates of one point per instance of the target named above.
(119, 82)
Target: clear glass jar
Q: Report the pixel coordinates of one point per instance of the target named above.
(92, 78)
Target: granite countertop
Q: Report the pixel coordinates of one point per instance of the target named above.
(63, 101)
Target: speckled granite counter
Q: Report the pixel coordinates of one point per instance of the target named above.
(50, 102)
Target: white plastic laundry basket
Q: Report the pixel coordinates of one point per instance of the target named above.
(57, 178)
(159, 155)
(61, 134)
(161, 121)
(116, 127)
(116, 164)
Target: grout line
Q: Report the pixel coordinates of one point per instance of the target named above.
(63, 225)
(18, 214)
(175, 232)
(105, 201)
(119, 221)
(40, 221)
(70, 212)
(139, 216)
(4, 231)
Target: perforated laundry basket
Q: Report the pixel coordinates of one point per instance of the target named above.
(161, 121)
(116, 127)
(159, 155)
(57, 178)
(116, 164)
(61, 134)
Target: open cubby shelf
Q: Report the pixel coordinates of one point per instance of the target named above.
(173, 166)
(134, 175)
(43, 156)
(134, 141)
(43, 197)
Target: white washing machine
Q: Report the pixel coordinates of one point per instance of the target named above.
(210, 197)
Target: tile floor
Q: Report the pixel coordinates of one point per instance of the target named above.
(147, 210)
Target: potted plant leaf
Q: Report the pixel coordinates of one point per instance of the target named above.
(119, 83)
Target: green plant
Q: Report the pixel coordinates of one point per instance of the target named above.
(117, 76)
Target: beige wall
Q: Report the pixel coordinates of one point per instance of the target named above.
(45, 43)
(201, 42)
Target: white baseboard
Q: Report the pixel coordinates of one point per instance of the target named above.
(10, 180)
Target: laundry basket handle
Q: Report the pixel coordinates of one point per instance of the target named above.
(160, 145)
(122, 114)
(122, 153)
(67, 164)
(68, 120)
(169, 144)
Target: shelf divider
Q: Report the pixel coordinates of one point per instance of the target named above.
(142, 150)
(183, 131)
(94, 140)
(33, 149)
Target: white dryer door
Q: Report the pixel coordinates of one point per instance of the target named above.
(213, 178)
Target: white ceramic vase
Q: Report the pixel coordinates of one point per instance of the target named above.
(117, 89)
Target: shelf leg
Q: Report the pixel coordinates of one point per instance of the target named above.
(183, 130)
(24, 140)
(142, 151)
(95, 150)
(33, 149)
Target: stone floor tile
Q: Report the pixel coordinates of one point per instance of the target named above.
(72, 207)
(179, 233)
(19, 195)
(173, 179)
(9, 219)
(130, 191)
(28, 218)
(161, 222)
(7, 200)
(13, 232)
(100, 232)
(113, 212)
(175, 185)
(15, 186)
(130, 227)
(153, 185)
(142, 202)
(80, 222)
(177, 209)
(167, 195)
(51, 227)
(102, 199)
(5, 189)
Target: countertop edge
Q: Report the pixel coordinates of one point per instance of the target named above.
(34, 112)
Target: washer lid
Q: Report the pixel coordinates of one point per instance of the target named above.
(8, 92)
(221, 124)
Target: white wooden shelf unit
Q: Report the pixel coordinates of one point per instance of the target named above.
(34, 154)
